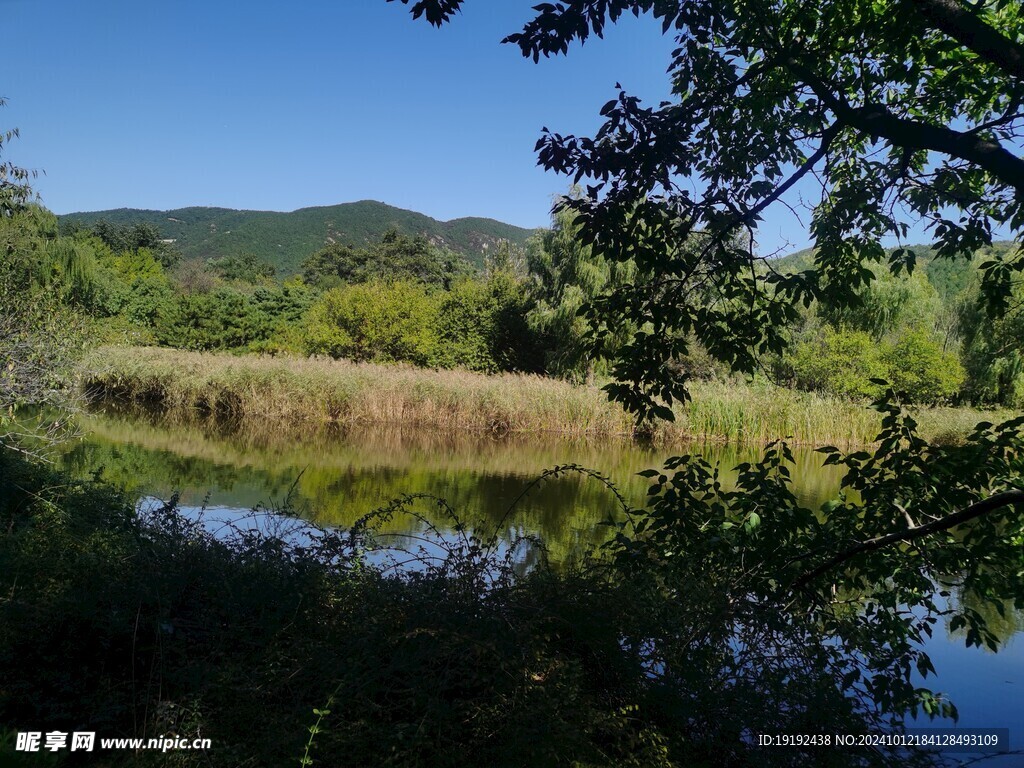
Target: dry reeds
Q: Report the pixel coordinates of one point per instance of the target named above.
(317, 390)
(303, 392)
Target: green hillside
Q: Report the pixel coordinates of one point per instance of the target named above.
(285, 239)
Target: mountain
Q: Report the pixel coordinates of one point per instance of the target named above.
(285, 239)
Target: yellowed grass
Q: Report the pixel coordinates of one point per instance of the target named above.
(315, 390)
(301, 392)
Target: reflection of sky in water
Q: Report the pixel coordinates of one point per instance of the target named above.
(414, 548)
(986, 687)
(337, 480)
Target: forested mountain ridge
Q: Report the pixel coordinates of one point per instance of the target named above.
(286, 239)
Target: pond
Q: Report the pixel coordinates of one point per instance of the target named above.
(334, 478)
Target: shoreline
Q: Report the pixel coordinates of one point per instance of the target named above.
(299, 394)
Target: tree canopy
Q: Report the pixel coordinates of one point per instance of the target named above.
(880, 112)
(394, 256)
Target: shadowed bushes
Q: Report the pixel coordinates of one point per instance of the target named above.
(145, 626)
(695, 628)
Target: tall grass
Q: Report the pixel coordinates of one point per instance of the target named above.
(292, 392)
(314, 390)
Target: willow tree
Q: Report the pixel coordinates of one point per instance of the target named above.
(882, 112)
(567, 274)
(38, 334)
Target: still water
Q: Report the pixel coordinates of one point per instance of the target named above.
(334, 478)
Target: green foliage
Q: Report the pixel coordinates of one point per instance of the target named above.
(514, 345)
(795, 621)
(465, 326)
(888, 305)
(993, 351)
(40, 340)
(919, 368)
(40, 334)
(482, 326)
(951, 276)
(898, 109)
(842, 362)
(567, 275)
(393, 257)
(133, 285)
(221, 319)
(376, 321)
(333, 265)
(247, 268)
(37, 259)
(894, 328)
(124, 238)
(285, 305)
(15, 187)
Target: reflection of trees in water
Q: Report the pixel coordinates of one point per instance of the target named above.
(1001, 623)
(340, 475)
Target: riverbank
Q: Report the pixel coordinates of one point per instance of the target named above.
(301, 393)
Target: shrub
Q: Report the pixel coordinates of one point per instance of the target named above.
(374, 321)
(222, 319)
(465, 328)
(841, 362)
(919, 368)
(482, 326)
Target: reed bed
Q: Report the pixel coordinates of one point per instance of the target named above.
(304, 391)
(298, 393)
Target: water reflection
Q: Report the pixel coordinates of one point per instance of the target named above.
(336, 477)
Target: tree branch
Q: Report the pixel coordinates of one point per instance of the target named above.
(803, 170)
(877, 120)
(992, 503)
(966, 28)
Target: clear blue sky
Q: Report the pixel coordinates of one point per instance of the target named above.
(278, 106)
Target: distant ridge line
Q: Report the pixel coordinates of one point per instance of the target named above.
(286, 238)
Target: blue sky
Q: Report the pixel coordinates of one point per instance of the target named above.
(281, 106)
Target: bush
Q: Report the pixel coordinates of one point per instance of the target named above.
(132, 626)
(993, 350)
(222, 319)
(920, 369)
(465, 328)
(375, 321)
(841, 362)
(482, 326)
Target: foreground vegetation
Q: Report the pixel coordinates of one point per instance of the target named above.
(299, 392)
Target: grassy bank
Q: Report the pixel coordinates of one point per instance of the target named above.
(302, 392)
